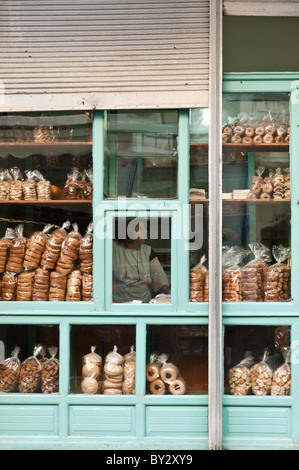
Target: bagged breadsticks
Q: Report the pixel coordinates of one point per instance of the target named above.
(232, 273)
(277, 284)
(282, 377)
(5, 244)
(69, 251)
(113, 373)
(240, 377)
(53, 246)
(86, 250)
(50, 372)
(128, 385)
(30, 372)
(198, 275)
(254, 272)
(17, 251)
(261, 376)
(35, 247)
(16, 184)
(10, 371)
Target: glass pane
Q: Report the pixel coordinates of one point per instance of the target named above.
(256, 198)
(177, 359)
(141, 158)
(199, 207)
(142, 260)
(30, 362)
(257, 360)
(102, 359)
(46, 188)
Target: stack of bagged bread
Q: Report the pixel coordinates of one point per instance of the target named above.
(163, 376)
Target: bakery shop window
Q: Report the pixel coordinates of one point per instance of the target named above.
(103, 359)
(256, 198)
(142, 260)
(31, 359)
(46, 189)
(257, 360)
(177, 359)
(141, 154)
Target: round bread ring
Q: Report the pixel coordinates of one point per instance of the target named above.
(252, 197)
(169, 373)
(247, 140)
(152, 372)
(158, 387)
(259, 131)
(236, 139)
(256, 189)
(239, 130)
(257, 140)
(249, 131)
(268, 139)
(177, 387)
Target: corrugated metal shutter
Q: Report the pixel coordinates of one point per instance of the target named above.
(104, 54)
(258, 8)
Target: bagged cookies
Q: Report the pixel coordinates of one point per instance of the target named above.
(10, 371)
(240, 377)
(53, 246)
(91, 372)
(254, 272)
(113, 373)
(261, 376)
(69, 251)
(277, 284)
(30, 373)
(282, 377)
(50, 372)
(128, 385)
(232, 273)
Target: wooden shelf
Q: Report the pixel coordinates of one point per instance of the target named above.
(48, 202)
(245, 201)
(43, 144)
(249, 147)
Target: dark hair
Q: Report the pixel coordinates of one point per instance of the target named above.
(121, 229)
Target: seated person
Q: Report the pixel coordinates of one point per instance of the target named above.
(137, 272)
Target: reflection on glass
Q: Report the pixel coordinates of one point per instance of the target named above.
(256, 198)
(46, 188)
(177, 360)
(199, 207)
(141, 154)
(141, 260)
(103, 359)
(257, 360)
(30, 362)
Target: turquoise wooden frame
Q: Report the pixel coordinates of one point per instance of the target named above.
(180, 312)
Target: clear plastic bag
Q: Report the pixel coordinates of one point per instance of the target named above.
(5, 244)
(17, 251)
(69, 251)
(9, 287)
(72, 187)
(43, 187)
(57, 288)
(128, 386)
(153, 368)
(254, 272)
(113, 373)
(87, 287)
(25, 286)
(282, 377)
(35, 247)
(50, 372)
(16, 184)
(30, 373)
(232, 273)
(53, 246)
(5, 179)
(257, 181)
(88, 187)
(73, 286)
(277, 284)
(86, 250)
(168, 372)
(40, 291)
(92, 364)
(198, 286)
(10, 372)
(240, 377)
(261, 376)
(278, 184)
(29, 186)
